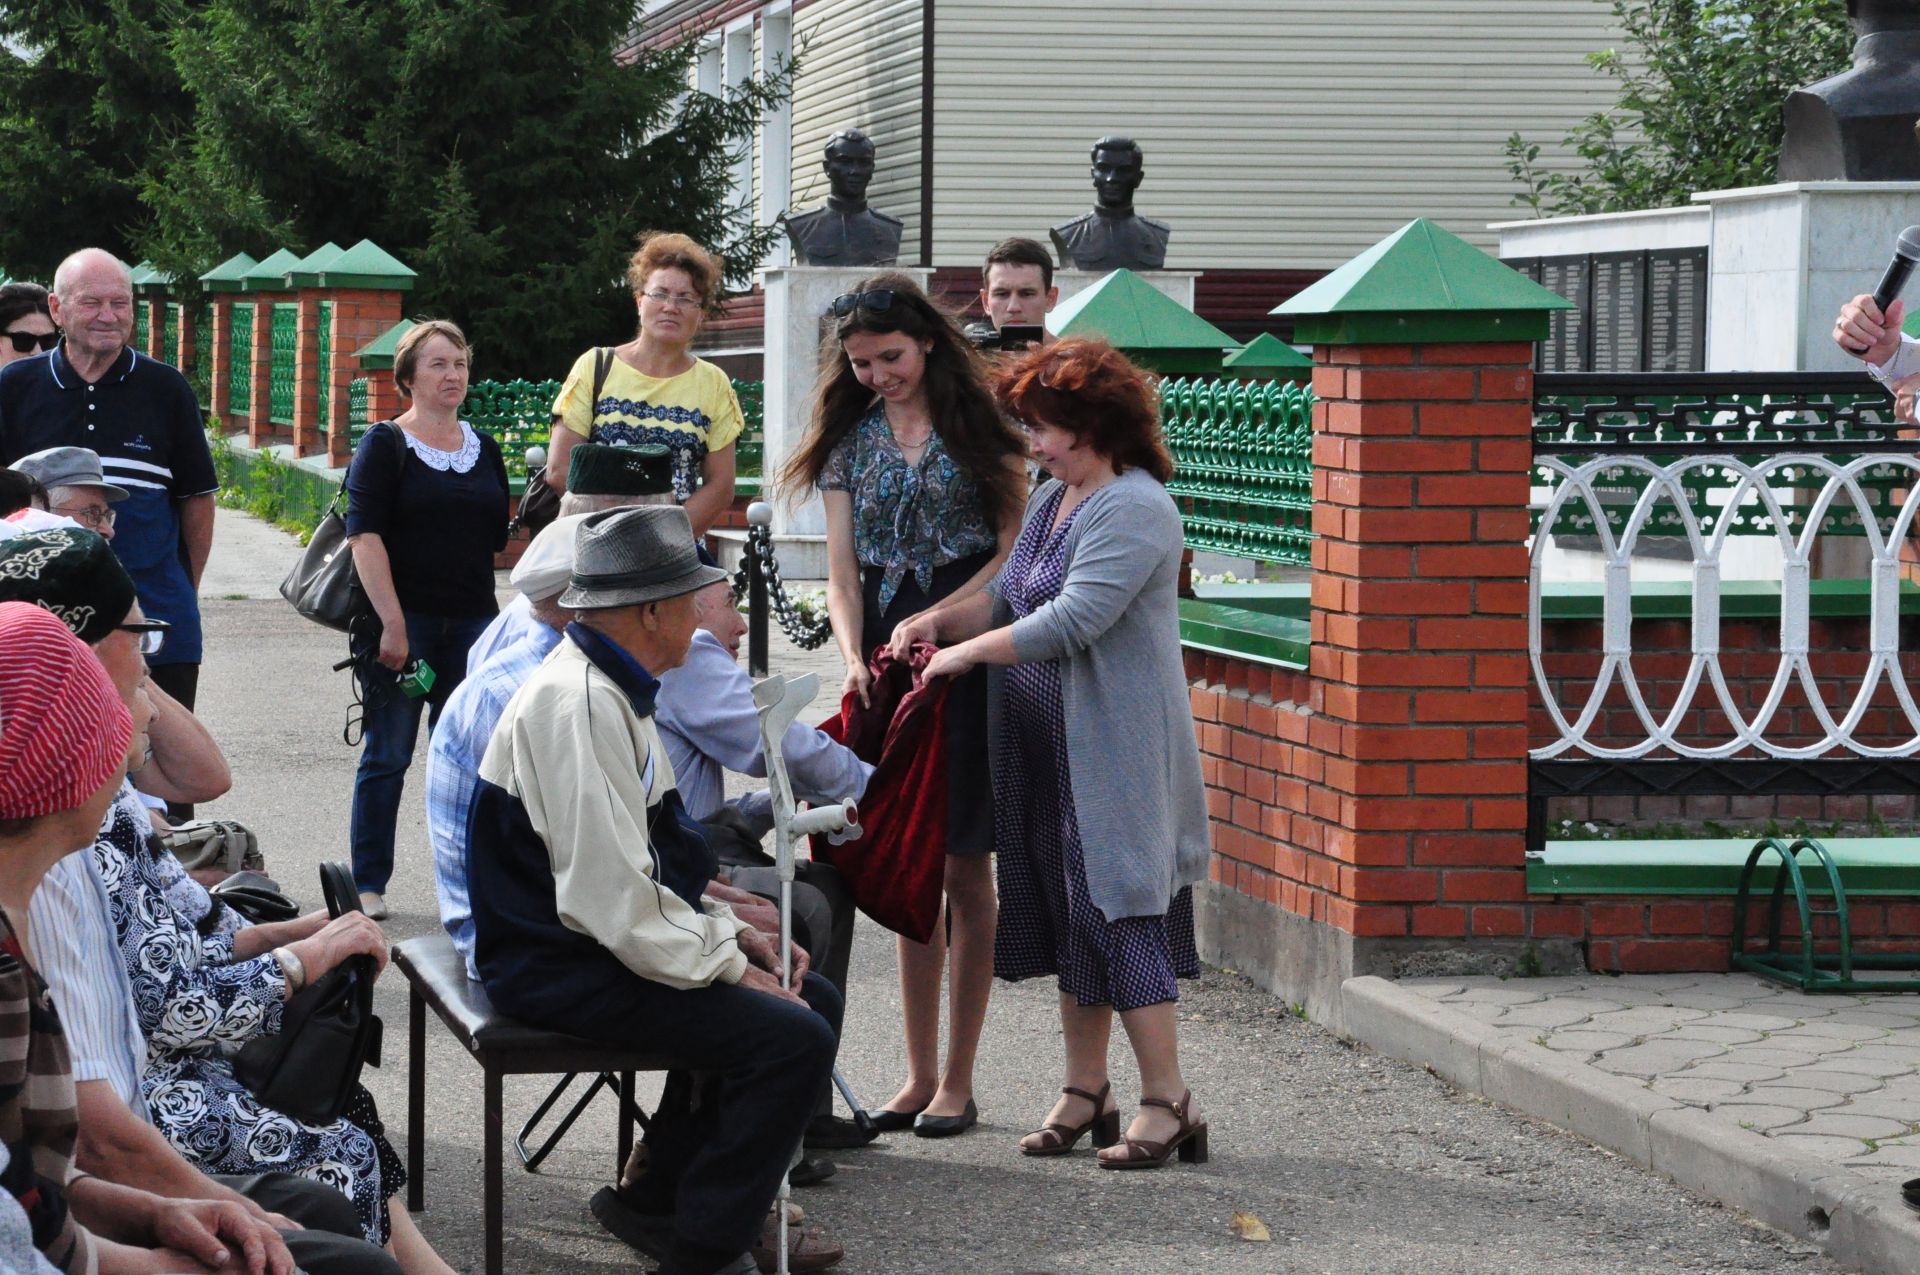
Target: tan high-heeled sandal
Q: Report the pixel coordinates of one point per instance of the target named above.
(1105, 1126)
(1142, 1153)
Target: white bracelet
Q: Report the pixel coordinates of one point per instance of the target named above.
(290, 965)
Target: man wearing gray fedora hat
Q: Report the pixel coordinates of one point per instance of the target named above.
(585, 874)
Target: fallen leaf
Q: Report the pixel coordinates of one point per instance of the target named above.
(1249, 1227)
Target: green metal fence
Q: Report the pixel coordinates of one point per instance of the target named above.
(323, 362)
(1243, 465)
(141, 326)
(240, 360)
(284, 332)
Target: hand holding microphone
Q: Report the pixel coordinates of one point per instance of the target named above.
(1869, 326)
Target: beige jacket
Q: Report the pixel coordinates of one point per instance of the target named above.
(588, 768)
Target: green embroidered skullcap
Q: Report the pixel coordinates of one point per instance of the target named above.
(70, 572)
(597, 469)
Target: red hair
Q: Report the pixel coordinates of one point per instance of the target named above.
(1092, 391)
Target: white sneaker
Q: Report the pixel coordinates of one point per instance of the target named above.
(373, 905)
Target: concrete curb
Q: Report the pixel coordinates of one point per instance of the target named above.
(1860, 1224)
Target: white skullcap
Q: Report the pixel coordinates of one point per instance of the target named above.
(547, 565)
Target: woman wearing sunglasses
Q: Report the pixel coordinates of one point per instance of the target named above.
(923, 483)
(652, 389)
(26, 324)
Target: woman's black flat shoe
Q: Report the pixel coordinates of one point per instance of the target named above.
(885, 1121)
(926, 1126)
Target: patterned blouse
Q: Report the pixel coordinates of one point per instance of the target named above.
(906, 518)
(39, 1114)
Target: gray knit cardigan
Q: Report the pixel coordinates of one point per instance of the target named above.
(1115, 630)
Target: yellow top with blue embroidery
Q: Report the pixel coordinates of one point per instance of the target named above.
(691, 414)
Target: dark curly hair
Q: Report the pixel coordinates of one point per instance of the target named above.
(958, 399)
(1092, 391)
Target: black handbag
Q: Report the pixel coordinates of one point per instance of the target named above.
(322, 584)
(328, 1031)
(540, 504)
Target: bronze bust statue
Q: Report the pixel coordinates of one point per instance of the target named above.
(1859, 125)
(1113, 235)
(844, 231)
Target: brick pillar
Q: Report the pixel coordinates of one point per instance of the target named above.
(220, 363)
(186, 336)
(361, 316)
(1419, 634)
(309, 431)
(157, 308)
(260, 418)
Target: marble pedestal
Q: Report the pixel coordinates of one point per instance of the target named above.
(1177, 284)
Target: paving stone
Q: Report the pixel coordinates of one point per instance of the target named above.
(1788, 1095)
(1434, 990)
(1805, 1042)
(1874, 1017)
(1698, 1090)
(1885, 1068)
(1884, 1052)
(1547, 1014)
(1905, 1159)
(1745, 1073)
(1706, 998)
(1884, 1104)
(1656, 1057)
(1767, 1054)
(1759, 1116)
(1504, 995)
(1831, 1029)
(1486, 1013)
(1841, 1124)
(1646, 1020)
(1755, 1022)
(1714, 1032)
(1829, 1081)
(1824, 1147)
(1587, 1042)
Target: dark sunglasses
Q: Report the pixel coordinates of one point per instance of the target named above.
(878, 301)
(153, 634)
(26, 342)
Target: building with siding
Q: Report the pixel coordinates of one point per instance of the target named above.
(1281, 137)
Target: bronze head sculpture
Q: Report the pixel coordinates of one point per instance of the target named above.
(1860, 125)
(845, 231)
(1112, 235)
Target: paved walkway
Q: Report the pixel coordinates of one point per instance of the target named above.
(1355, 1163)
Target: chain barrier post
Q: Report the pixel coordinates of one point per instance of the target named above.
(759, 544)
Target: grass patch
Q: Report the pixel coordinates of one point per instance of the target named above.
(290, 497)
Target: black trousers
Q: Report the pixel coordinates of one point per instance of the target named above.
(761, 1061)
(182, 681)
(332, 1242)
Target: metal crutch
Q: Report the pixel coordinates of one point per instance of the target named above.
(779, 701)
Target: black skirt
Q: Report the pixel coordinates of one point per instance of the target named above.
(969, 779)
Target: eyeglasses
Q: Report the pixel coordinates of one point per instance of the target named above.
(99, 517)
(681, 300)
(27, 342)
(877, 301)
(153, 634)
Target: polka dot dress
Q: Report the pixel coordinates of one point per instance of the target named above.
(1048, 921)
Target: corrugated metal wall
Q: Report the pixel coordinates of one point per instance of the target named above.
(860, 68)
(1278, 133)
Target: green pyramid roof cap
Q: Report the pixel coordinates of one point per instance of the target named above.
(1265, 351)
(378, 353)
(270, 273)
(1135, 315)
(142, 273)
(367, 265)
(306, 272)
(150, 280)
(226, 276)
(1422, 283)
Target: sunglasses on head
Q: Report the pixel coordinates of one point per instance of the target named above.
(27, 342)
(876, 301)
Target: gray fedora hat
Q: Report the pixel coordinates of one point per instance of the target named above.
(623, 557)
(69, 467)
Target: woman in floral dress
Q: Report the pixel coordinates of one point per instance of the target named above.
(922, 480)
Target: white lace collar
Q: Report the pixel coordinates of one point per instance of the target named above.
(458, 461)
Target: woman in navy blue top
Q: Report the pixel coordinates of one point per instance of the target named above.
(426, 512)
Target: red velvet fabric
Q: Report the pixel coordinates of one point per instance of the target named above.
(897, 867)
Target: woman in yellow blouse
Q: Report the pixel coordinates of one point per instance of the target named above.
(655, 390)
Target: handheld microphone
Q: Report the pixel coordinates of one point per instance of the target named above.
(1906, 254)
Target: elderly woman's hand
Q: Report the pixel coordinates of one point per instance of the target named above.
(393, 647)
(951, 661)
(352, 934)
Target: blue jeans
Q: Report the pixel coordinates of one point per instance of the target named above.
(392, 722)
